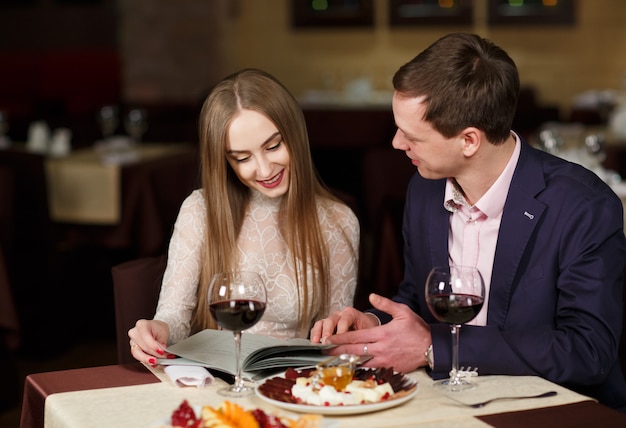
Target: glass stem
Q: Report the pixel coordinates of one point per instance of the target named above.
(454, 373)
(238, 380)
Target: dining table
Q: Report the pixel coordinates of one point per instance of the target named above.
(121, 197)
(114, 195)
(137, 395)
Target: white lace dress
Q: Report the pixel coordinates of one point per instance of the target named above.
(262, 249)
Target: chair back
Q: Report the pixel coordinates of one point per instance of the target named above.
(7, 211)
(26, 232)
(136, 287)
(386, 175)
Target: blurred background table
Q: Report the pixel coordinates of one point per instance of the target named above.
(59, 257)
(130, 205)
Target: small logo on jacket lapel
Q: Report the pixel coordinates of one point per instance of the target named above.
(529, 215)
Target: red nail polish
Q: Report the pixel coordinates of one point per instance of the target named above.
(160, 351)
(152, 361)
(171, 356)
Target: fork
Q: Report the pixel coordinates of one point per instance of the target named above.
(466, 372)
(484, 403)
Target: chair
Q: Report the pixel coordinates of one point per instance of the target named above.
(385, 177)
(136, 287)
(7, 211)
(28, 234)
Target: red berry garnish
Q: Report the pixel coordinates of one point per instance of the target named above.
(267, 420)
(291, 373)
(184, 416)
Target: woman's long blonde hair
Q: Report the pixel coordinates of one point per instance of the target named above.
(227, 197)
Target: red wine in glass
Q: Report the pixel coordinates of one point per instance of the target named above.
(455, 295)
(237, 301)
(455, 308)
(237, 315)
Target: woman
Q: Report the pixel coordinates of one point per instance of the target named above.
(261, 208)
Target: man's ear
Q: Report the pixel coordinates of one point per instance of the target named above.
(472, 139)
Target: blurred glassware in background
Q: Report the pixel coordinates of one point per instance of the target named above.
(108, 120)
(136, 124)
(359, 89)
(60, 143)
(38, 137)
(595, 145)
(5, 141)
(550, 141)
(617, 120)
(579, 144)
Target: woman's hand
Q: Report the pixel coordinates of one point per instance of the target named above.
(148, 340)
(341, 321)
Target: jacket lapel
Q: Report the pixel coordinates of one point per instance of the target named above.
(522, 213)
(438, 233)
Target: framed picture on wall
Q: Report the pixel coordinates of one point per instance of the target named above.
(332, 13)
(79, 2)
(531, 12)
(18, 2)
(430, 12)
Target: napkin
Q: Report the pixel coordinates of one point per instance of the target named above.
(189, 375)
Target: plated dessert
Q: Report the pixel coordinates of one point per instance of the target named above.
(331, 391)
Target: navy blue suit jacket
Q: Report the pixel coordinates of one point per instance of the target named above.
(555, 304)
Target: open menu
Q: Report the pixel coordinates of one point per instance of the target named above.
(260, 355)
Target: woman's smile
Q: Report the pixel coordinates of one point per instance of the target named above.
(272, 182)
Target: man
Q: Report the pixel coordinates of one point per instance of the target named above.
(547, 236)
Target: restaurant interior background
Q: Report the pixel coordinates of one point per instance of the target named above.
(61, 60)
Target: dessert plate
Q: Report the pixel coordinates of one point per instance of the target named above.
(409, 389)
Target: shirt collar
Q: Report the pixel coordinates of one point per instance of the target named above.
(453, 198)
(492, 202)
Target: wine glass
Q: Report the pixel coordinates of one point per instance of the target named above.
(136, 124)
(455, 295)
(107, 120)
(237, 301)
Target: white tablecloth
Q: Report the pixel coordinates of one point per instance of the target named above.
(151, 405)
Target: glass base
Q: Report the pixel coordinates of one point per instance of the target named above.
(454, 385)
(233, 391)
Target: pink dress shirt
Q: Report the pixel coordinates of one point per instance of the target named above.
(474, 229)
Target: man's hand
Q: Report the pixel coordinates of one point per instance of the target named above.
(400, 344)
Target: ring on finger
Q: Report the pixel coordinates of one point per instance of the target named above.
(365, 349)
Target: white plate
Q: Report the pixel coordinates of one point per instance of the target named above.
(339, 410)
